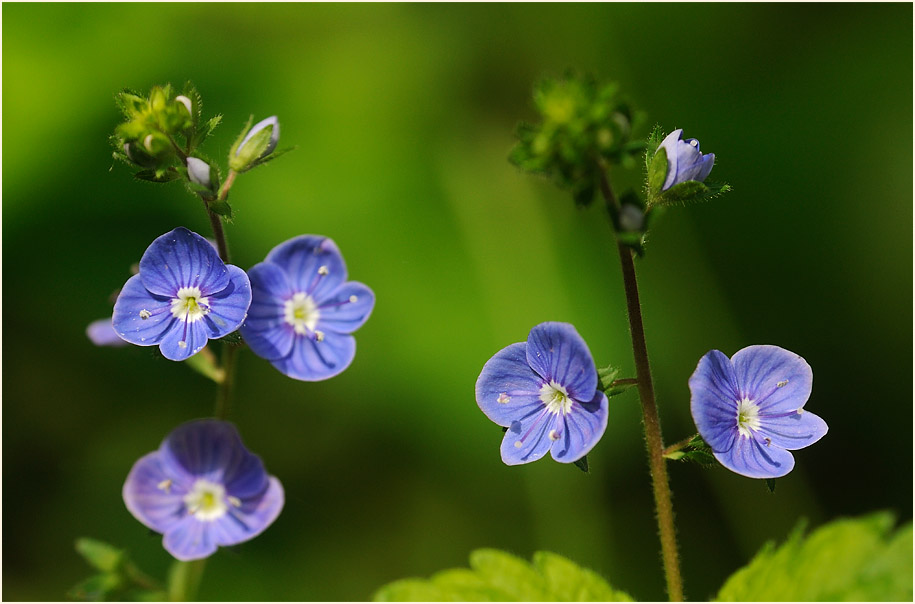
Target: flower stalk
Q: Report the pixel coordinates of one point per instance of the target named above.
(651, 422)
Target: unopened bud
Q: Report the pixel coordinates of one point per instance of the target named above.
(258, 143)
(186, 102)
(198, 171)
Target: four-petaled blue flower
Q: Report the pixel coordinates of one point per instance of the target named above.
(304, 310)
(183, 295)
(750, 409)
(684, 160)
(545, 392)
(202, 489)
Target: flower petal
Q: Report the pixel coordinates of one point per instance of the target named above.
(304, 259)
(102, 333)
(508, 389)
(312, 361)
(209, 449)
(181, 258)
(133, 304)
(347, 308)
(154, 494)
(527, 439)
(794, 431)
(557, 353)
(581, 429)
(252, 518)
(714, 400)
(184, 340)
(265, 328)
(669, 144)
(190, 539)
(749, 457)
(708, 162)
(776, 379)
(229, 306)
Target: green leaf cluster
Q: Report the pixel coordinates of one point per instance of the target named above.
(848, 560)
(118, 579)
(496, 576)
(584, 126)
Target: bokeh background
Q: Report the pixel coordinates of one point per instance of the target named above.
(404, 116)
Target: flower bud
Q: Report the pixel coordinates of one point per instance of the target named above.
(684, 160)
(198, 172)
(186, 102)
(258, 143)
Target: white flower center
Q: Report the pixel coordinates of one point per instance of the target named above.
(189, 305)
(206, 500)
(556, 398)
(302, 313)
(747, 417)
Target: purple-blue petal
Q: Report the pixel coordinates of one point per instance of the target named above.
(685, 161)
(146, 497)
(265, 329)
(102, 333)
(253, 516)
(793, 431)
(776, 379)
(181, 258)
(338, 311)
(312, 361)
(508, 389)
(580, 429)
(183, 340)
(669, 144)
(714, 400)
(557, 353)
(190, 539)
(229, 306)
(133, 304)
(751, 457)
(304, 258)
(209, 449)
(527, 438)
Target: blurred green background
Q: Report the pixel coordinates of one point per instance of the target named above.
(404, 116)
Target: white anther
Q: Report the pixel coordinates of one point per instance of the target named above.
(554, 435)
(782, 384)
(768, 441)
(518, 444)
(319, 336)
(503, 398)
(694, 143)
(353, 299)
(182, 344)
(322, 270)
(165, 485)
(145, 314)
(235, 501)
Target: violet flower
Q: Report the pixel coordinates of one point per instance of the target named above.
(545, 392)
(684, 160)
(750, 409)
(202, 489)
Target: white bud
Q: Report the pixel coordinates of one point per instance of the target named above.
(185, 101)
(198, 171)
(274, 135)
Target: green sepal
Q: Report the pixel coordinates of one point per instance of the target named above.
(205, 365)
(221, 207)
(770, 484)
(97, 588)
(242, 160)
(161, 175)
(582, 464)
(850, 560)
(605, 378)
(657, 172)
(697, 451)
(691, 191)
(100, 555)
(496, 576)
(233, 338)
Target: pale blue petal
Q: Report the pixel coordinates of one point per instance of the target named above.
(154, 494)
(184, 340)
(527, 439)
(179, 259)
(346, 309)
(265, 329)
(557, 353)
(228, 307)
(312, 361)
(207, 449)
(102, 333)
(793, 431)
(303, 258)
(714, 400)
(252, 518)
(133, 304)
(776, 379)
(508, 389)
(754, 459)
(581, 429)
(190, 539)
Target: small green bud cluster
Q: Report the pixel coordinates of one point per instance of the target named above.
(584, 126)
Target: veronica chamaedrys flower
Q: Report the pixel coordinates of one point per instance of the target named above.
(545, 392)
(183, 296)
(750, 409)
(304, 311)
(102, 333)
(684, 160)
(202, 489)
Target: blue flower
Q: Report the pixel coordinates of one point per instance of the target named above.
(750, 409)
(304, 310)
(102, 333)
(545, 392)
(684, 160)
(202, 489)
(182, 296)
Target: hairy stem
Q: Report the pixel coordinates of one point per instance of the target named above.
(184, 579)
(679, 445)
(650, 420)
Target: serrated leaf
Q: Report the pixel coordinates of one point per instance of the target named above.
(502, 577)
(100, 555)
(853, 559)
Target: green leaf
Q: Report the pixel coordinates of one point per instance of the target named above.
(204, 363)
(852, 559)
(496, 576)
(100, 555)
(96, 588)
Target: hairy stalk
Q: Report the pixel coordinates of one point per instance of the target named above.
(184, 579)
(650, 420)
(679, 445)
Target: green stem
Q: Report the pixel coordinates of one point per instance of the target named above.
(625, 382)
(224, 393)
(184, 579)
(650, 420)
(679, 445)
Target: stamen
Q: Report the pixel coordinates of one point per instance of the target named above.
(353, 299)
(182, 344)
(694, 143)
(518, 444)
(322, 270)
(235, 501)
(165, 485)
(503, 398)
(319, 336)
(782, 384)
(145, 314)
(554, 435)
